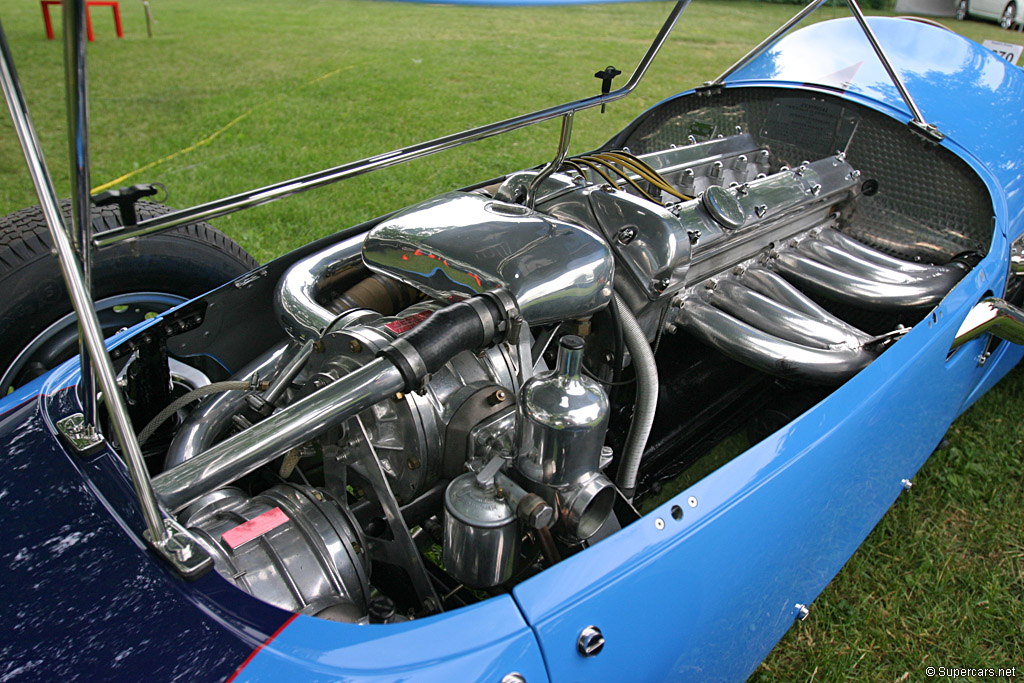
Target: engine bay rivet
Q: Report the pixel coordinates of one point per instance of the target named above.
(659, 524)
(692, 501)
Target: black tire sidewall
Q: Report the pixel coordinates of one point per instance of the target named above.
(185, 262)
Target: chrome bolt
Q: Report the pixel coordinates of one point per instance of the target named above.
(761, 210)
(907, 484)
(678, 302)
(590, 642)
(802, 611)
(497, 397)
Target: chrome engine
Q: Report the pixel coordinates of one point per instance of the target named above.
(492, 464)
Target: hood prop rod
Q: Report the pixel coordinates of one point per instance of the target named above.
(918, 122)
(170, 540)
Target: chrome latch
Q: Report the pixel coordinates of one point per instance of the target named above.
(182, 550)
(81, 436)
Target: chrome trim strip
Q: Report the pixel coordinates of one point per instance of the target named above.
(263, 195)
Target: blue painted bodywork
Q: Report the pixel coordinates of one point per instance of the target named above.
(704, 598)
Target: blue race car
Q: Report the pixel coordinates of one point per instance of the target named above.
(419, 449)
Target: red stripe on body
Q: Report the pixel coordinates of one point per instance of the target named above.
(255, 652)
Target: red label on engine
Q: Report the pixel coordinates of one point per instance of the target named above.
(406, 324)
(254, 528)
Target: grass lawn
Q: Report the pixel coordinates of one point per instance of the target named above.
(235, 94)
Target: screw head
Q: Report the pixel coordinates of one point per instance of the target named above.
(354, 346)
(692, 501)
(907, 484)
(590, 642)
(514, 677)
(659, 524)
(802, 611)
(626, 235)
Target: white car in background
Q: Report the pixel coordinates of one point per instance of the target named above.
(1000, 10)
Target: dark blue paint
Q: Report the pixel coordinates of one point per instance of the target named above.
(83, 599)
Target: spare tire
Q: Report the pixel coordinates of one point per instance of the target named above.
(131, 281)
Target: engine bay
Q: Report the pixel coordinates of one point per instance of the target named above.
(440, 404)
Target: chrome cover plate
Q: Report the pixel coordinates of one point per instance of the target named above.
(459, 244)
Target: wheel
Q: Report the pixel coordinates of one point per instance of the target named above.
(130, 282)
(1009, 16)
(961, 10)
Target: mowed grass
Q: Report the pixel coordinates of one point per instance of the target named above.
(237, 94)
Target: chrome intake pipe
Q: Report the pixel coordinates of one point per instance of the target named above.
(295, 300)
(842, 269)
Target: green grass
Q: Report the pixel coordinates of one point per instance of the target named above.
(292, 87)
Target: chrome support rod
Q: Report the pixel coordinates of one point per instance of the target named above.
(80, 298)
(78, 154)
(554, 165)
(918, 121)
(286, 429)
(264, 195)
(745, 59)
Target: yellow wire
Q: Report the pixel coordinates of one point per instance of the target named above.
(646, 172)
(625, 177)
(209, 138)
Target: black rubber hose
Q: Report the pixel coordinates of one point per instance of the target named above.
(442, 336)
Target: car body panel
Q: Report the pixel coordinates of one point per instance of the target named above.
(482, 642)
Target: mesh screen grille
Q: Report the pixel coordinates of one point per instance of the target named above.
(930, 206)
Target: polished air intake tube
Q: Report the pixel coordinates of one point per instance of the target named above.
(402, 366)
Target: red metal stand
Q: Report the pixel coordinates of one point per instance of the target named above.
(112, 4)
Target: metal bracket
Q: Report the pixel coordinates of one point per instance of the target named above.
(181, 550)
(927, 130)
(81, 436)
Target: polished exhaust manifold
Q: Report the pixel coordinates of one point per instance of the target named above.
(757, 314)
